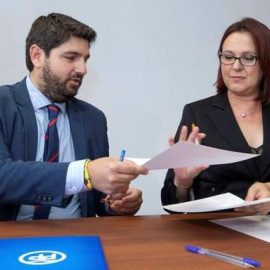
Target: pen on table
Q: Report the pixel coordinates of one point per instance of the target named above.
(192, 128)
(241, 261)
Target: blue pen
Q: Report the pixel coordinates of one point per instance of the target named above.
(122, 155)
(244, 262)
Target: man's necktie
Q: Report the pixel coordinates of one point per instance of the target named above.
(51, 154)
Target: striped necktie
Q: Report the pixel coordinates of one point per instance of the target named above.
(51, 148)
(51, 154)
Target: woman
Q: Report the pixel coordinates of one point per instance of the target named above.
(236, 119)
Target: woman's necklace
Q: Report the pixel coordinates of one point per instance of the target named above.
(244, 114)
(240, 111)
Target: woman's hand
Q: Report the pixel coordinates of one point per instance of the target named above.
(256, 192)
(184, 176)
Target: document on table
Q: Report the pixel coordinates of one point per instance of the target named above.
(183, 154)
(256, 226)
(214, 203)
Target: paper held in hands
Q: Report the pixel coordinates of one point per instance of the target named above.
(183, 154)
(214, 203)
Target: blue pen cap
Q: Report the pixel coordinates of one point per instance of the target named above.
(252, 262)
(192, 249)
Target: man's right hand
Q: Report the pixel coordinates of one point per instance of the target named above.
(111, 176)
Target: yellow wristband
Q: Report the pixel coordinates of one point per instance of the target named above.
(87, 180)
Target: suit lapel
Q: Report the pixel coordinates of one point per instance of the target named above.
(223, 119)
(77, 130)
(28, 116)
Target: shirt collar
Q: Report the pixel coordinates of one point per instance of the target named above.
(38, 99)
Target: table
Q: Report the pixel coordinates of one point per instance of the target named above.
(152, 242)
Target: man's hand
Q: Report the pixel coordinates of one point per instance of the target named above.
(111, 176)
(127, 203)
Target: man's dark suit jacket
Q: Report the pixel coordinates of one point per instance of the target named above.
(214, 117)
(24, 181)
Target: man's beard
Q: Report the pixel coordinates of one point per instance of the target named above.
(57, 90)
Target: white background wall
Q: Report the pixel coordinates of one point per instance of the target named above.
(151, 57)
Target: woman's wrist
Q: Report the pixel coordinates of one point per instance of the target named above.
(182, 186)
(268, 184)
(182, 191)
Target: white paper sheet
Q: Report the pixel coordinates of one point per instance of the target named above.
(256, 226)
(183, 154)
(138, 161)
(214, 203)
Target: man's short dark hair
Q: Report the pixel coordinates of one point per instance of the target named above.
(51, 31)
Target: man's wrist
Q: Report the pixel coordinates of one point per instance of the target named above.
(87, 179)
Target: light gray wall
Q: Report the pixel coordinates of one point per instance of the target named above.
(151, 57)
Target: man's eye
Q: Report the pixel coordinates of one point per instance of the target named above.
(70, 58)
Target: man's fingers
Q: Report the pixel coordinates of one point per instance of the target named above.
(130, 168)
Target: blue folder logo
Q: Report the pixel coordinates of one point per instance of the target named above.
(51, 253)
(42, 257)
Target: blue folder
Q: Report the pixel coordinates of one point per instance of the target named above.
(52, 253)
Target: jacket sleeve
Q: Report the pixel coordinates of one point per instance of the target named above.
(26, 182)
(32, 182)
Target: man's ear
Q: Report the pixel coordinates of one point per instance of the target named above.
(37, 56)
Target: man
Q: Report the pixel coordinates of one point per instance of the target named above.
(57, 49)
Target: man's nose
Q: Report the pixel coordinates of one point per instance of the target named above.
(81, 67)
